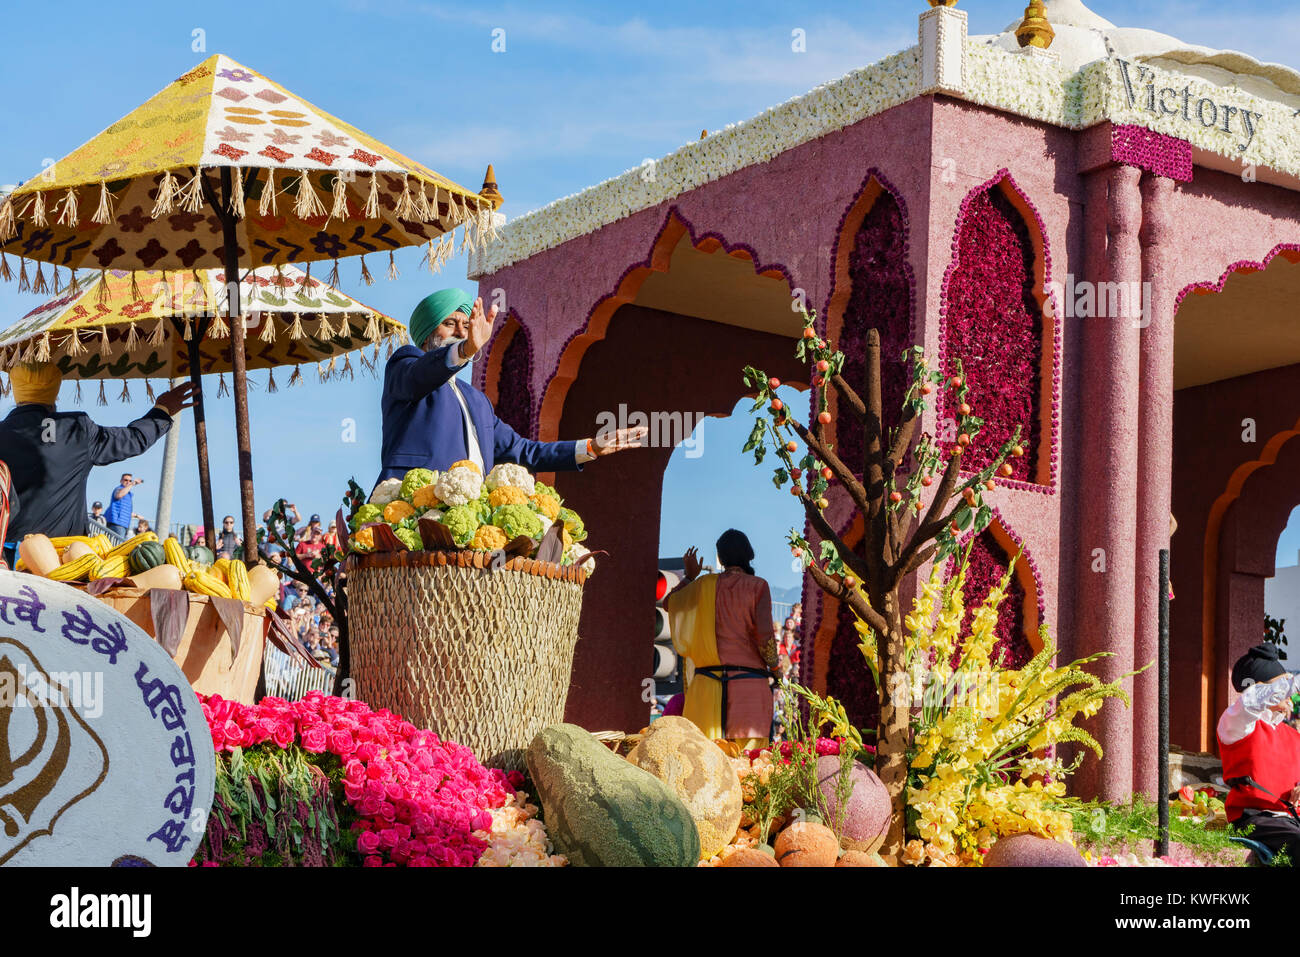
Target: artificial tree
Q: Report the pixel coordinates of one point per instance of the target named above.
(901, 533)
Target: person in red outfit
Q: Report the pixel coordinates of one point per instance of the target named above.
(1261, 752)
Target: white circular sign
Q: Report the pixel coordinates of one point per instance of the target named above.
(105, 756)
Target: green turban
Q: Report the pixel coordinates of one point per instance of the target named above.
(435, 308)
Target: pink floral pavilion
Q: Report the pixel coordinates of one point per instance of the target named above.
(1106, 231)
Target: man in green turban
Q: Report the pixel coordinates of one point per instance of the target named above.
(432, 419)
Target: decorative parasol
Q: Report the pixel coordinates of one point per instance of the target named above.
(223, 169)
(140, 326)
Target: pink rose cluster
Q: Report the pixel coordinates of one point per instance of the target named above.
(418, 799)
(824, 746)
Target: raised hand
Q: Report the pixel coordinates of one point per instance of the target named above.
(692, 563)
(174, 400)
(607, 443)
(480, 329)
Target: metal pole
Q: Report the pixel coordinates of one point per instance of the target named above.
(239, 368)
(200, 425)
(167, 480)
(1162, 844)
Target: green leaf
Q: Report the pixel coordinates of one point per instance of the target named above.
(964, 517)
(779, 477)
(828, 550)
(983, 518)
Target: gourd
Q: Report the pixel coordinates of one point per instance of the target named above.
(38, 554)
(201, 554)
(75, 570)
(147, 555)
(115, 567)
(160, 576)
(128, 546)
(176, 555)
(237, 578)
(263, 584)
(202, 583)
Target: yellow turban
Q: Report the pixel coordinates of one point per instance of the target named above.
(36, 382)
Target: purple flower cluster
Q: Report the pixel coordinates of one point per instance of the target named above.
(514, 403)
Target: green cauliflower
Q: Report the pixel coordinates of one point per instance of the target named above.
(365, 515)
(415, 479)
(540, 489)
(517, 520)
(462, 521)
(410, 538)
(572, 522)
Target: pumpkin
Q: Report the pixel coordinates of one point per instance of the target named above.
(807, 844)
(77, 550)
(160, 576)
(147, 555)
(748, 857)
(263, 584)
(201, 554)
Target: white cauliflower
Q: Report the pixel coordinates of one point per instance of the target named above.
(388, 490)
(432, 513)
(507, 473)
(576, 552)
(546, 525)
(458, 486)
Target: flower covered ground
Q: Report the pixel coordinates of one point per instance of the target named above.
(397, 795)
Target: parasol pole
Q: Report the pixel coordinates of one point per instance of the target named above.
(167, 481)
(239, 364)
(200, 424)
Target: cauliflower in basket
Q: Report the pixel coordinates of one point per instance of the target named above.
(365, 515)
(425, 497)
(394, 512)
(414, 480)
(462, 521)
(467, 464)
(572, 524)
(489, 538)
(507, 473)
(507, 495)
(363, 541)
(517, 520)
(458, 485)
(575, 555)
(546, 505)
(386, 491)
(410, 538)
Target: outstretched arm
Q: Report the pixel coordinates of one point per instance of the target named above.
(412, 379)
(113, 444)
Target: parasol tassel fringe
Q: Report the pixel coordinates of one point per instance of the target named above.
(296, 330)
(237, 192)
(135, 288)
(74, 283)
(7, 225)
(101, 294)
(78, 392)
(73, 346)
(38, 210)
(132, 338)
(222, 389)
(392, 266)
(305, 282)
(372, 198)
(159, 335)
(189, 330)
(43, 350)
(271, 387)
(405, 204)
(307, 204)
(5, 272)
(368, 279)
(103, 399)
(125, 395)
(296, 377)
(166, 200)
(390, 348)
(347, 369)
(266, 205)
(372, 328)
(104, 211)
(190, 197)
(365, 362)
(40, 285)
(148, 391)
(326, 331)
(68, 215)
(219, 329)
(104, 347)
(56, 284)
(268, 328)
(339, 210)
(422, 204)
(24, 284)
(334, 273)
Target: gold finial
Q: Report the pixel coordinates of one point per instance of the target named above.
(943, 3)
(703, 133)
(1034, 30)
(489, 189)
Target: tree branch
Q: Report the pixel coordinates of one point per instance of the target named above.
(842, 471)
(932, 525)
(851, 558)
(837, 590)
(849, 396)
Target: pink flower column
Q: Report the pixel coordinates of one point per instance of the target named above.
(1155, 469)
(1108, 472)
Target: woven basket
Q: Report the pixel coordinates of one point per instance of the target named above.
(479, 656)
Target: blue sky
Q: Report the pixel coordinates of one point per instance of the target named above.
(582, 92)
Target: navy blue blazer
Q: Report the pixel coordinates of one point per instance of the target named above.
(424, 427)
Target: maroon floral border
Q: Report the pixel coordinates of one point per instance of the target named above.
(515, 403)
(1238, 266)
(1053, 441)
(1155, 152)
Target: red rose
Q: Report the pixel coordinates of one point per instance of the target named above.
(282, 734)
(314, 739)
